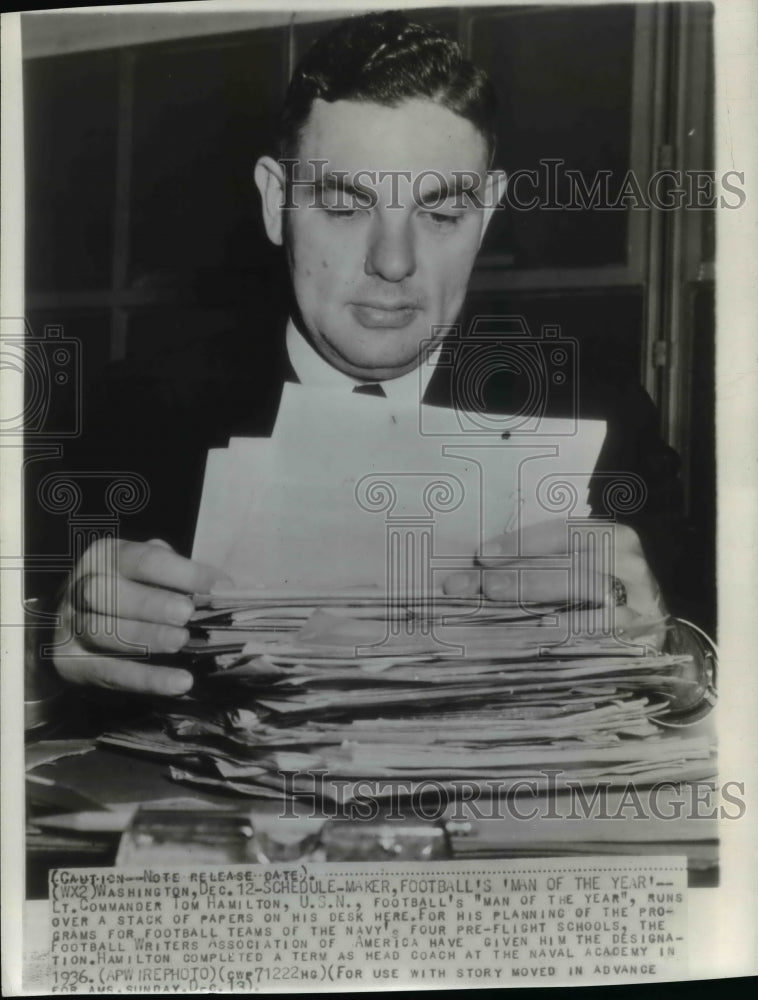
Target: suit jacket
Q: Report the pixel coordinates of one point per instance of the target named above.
(159, 418)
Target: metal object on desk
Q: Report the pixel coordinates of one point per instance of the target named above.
(383, 839)
(165, 836)
(159, 836)
(697, 696)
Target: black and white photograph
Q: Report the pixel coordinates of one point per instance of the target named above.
(379, 540)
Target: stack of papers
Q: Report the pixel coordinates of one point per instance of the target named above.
(338, 653)
(491, 693)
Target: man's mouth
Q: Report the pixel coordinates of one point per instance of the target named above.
(376, 315)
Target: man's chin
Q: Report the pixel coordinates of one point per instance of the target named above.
(378, 361)
(378, 369)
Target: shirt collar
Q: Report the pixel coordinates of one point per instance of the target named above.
(315, 372)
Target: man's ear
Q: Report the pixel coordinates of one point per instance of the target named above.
(494, 190)
(269, 179)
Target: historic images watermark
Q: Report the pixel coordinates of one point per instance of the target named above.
(548, 186)
(49, 369)
(550, 795)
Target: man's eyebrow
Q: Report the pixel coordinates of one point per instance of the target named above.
(441, 189)
(337, 182)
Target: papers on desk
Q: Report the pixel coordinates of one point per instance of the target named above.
(329, 661)
(315, 506)
(501, 702)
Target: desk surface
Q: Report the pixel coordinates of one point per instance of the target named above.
(114, 778)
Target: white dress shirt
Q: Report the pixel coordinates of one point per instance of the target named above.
(315, 372)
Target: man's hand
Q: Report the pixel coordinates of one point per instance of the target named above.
(131, 599)
(517, 567)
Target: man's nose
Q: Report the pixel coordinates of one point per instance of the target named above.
(391, 252)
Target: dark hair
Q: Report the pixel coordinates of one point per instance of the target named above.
(386, 59)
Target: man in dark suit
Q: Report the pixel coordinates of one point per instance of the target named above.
(380, 195)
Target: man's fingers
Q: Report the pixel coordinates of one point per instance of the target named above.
(123, 598)
(162, 567)
(122, 675)
(518, 568)
(549, 538)
(162, 542)
(527, 584)
(523, 582)
(542, 586)
(593, 620)
(103, 632)
(153, 563)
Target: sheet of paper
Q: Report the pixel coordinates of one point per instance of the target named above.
(398, 503)
(212, 522)
(232, 476)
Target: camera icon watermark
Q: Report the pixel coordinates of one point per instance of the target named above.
(504, 379)
(46, 400)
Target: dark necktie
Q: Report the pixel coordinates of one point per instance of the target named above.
(370, 389)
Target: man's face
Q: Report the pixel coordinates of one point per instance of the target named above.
(374, 275)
